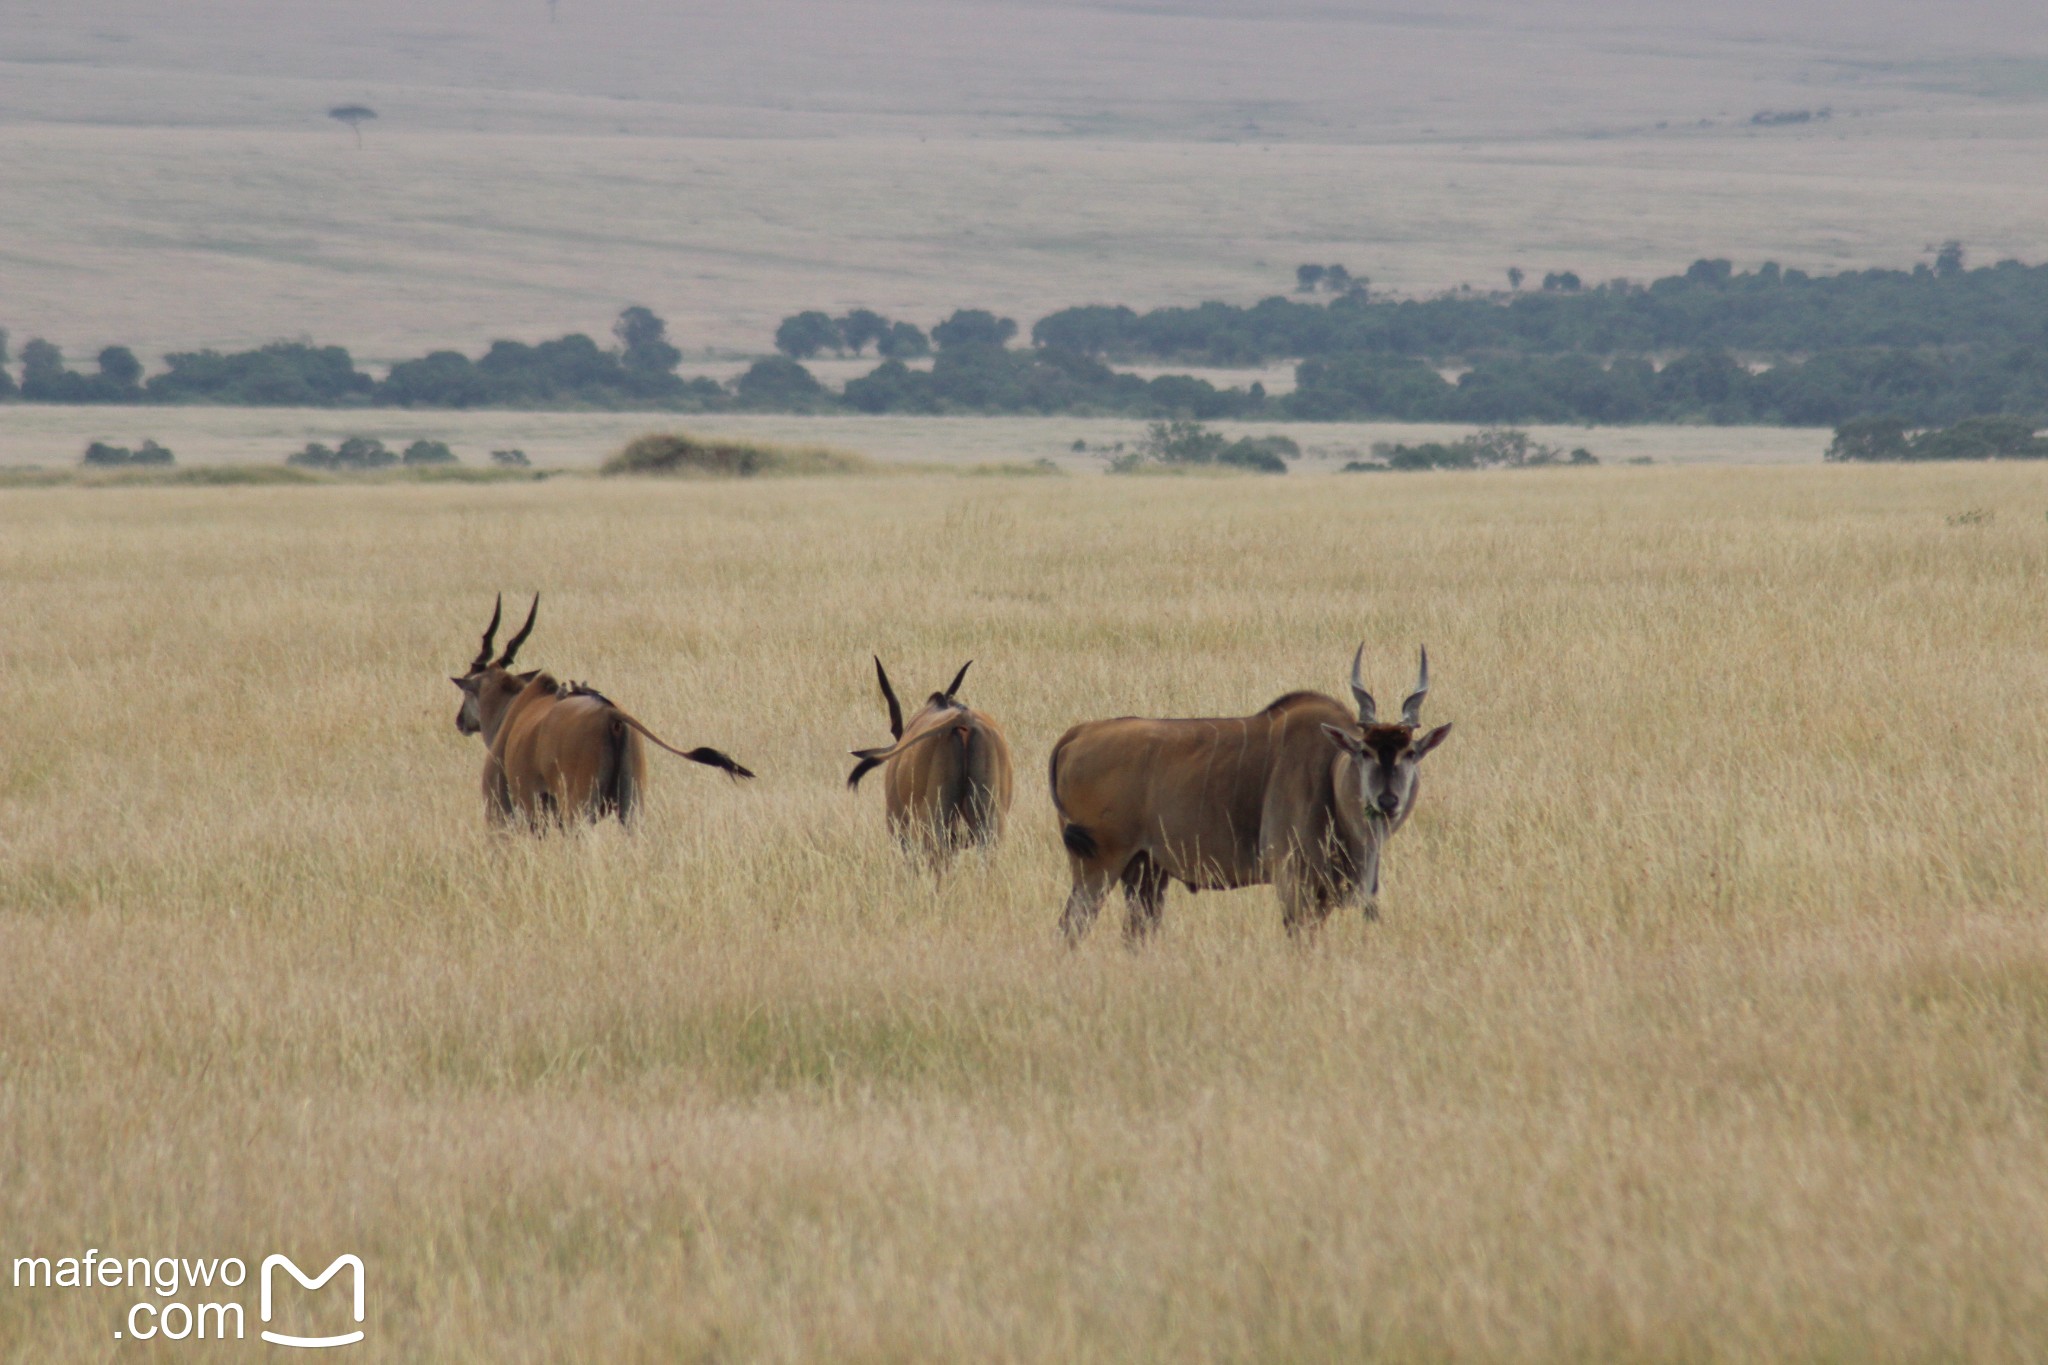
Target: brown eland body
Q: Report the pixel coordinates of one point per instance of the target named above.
(947, 778)
(554, 752)
(1302, 796)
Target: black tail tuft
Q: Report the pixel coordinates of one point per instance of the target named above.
(711, 758)
(868, 763)
(1079, 841)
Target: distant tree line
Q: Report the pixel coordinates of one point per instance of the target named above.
(571, 371)
(1925, 348)
(1767, 311)
(1915, 386)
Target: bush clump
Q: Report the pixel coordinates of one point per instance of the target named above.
(511, 459)
(428, 452)
(352, 455)
(676, 453)
(1493, 448)
(100, 455)
(1186, 443)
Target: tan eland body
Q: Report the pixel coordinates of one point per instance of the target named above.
(947, 779)
(1302, 796)
(556, 753)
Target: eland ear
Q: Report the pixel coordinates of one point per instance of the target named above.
(1344, 739)
(1431, 739)
(466, 684)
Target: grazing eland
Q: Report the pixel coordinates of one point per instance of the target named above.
(556, 752)
(1301, 797)
(947, 777)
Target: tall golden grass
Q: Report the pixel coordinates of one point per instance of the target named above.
(1708, 1019)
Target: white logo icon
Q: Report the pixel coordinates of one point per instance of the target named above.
(279, 1338)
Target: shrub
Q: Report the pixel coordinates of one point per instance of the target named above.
(354, 454)
(1267, 454)
(511, 459)
(1182, 442)
(676, 453)
(363, 452)
(428, 452)
(102, 455)
(1492, 448)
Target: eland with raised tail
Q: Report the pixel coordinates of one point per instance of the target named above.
(556, 752)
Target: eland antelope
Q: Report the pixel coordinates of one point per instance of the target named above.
(947, 778)
(1301, 797)
(556, 752)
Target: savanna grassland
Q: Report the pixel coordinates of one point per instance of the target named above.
(1708, 1018)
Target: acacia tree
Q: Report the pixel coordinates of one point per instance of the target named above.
(804, 334)
(645, 338)
(860, 327)
(903, 341)
(974, 326)
(120, 368)
(355, 116)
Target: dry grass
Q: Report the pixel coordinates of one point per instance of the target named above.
(1709, 1018)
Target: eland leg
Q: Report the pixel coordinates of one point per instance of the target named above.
(1084, 902)
(1144, 899)
(1304, 905)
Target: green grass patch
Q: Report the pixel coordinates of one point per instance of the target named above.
(673, 453)
(204, 475)
(1013, 469)
(231, 475)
